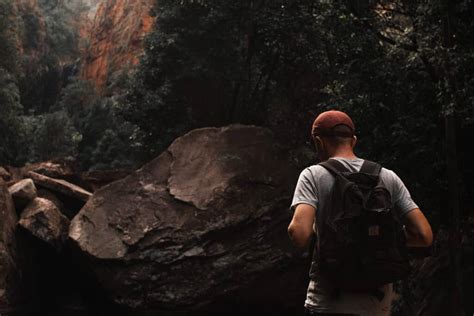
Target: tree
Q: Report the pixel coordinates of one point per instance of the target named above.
(48, 136)
(9, 95)
(106, 140)
(9, 119)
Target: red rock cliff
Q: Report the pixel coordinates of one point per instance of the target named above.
(37, 26)
(114, 39)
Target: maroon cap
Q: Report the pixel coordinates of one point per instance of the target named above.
(325, 122)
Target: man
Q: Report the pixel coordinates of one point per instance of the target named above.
(333, 134)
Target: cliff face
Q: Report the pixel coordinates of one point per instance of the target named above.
(107, 35)
(114, 38)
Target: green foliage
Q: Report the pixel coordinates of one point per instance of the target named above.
(31, 32)
(40, 83)
(400, 94)
(107, 141)
(210, 63)
(48, 136)
(76, 98)
(190, 73)
(61, 28)
(8, 55)
(9, 95)
(51, 47)
(9, 119)
(279, 63)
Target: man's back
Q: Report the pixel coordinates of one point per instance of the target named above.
(314, 188)
(333, 134)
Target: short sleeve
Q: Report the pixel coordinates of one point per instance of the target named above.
(402, 200)
(305, 191)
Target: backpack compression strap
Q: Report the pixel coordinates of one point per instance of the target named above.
(371, 168)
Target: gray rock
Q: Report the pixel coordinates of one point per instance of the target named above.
(9, 277)
(43, 220)
(206, 219)
(23, 192)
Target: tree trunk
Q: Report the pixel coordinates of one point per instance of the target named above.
(452, 168)
(455, 233)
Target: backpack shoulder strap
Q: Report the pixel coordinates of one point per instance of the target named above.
(371, 168)
(334, 166)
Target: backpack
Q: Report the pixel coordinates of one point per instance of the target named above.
(361, 245)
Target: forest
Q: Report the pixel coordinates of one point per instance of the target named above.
(403, 70)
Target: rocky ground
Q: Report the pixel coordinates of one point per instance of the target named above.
(201, 229)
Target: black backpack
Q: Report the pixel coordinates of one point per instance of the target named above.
(361, 245)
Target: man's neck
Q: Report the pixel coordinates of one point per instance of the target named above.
(343, 154)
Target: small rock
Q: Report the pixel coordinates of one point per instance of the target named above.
(55, 169)
(43, 220)
(43, 193)
(23, 192)
(61, 186)
(4, 174)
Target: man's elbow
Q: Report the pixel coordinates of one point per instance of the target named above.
(298, 236)
(427, 238)
(418, 229)
(425, 235)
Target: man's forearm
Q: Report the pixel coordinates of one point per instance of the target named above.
(417, 229)
(415, 239)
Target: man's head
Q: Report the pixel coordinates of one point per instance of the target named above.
(333, 132)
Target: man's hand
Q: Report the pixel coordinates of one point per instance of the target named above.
(417, 229)
(300, 229)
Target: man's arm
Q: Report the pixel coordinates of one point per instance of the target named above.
(417, 229)
(300, 229)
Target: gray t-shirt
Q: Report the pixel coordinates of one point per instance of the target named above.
(313, 188)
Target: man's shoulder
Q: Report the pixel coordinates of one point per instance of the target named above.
(388, 174)
(315, 174)
(314, 170)
(391, 180)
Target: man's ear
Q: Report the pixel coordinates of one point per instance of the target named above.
(354, 141)
(318, 142)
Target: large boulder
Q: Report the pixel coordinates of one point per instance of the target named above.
(203, 222)
(95, 179)
(44, 220)
(9, 277)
